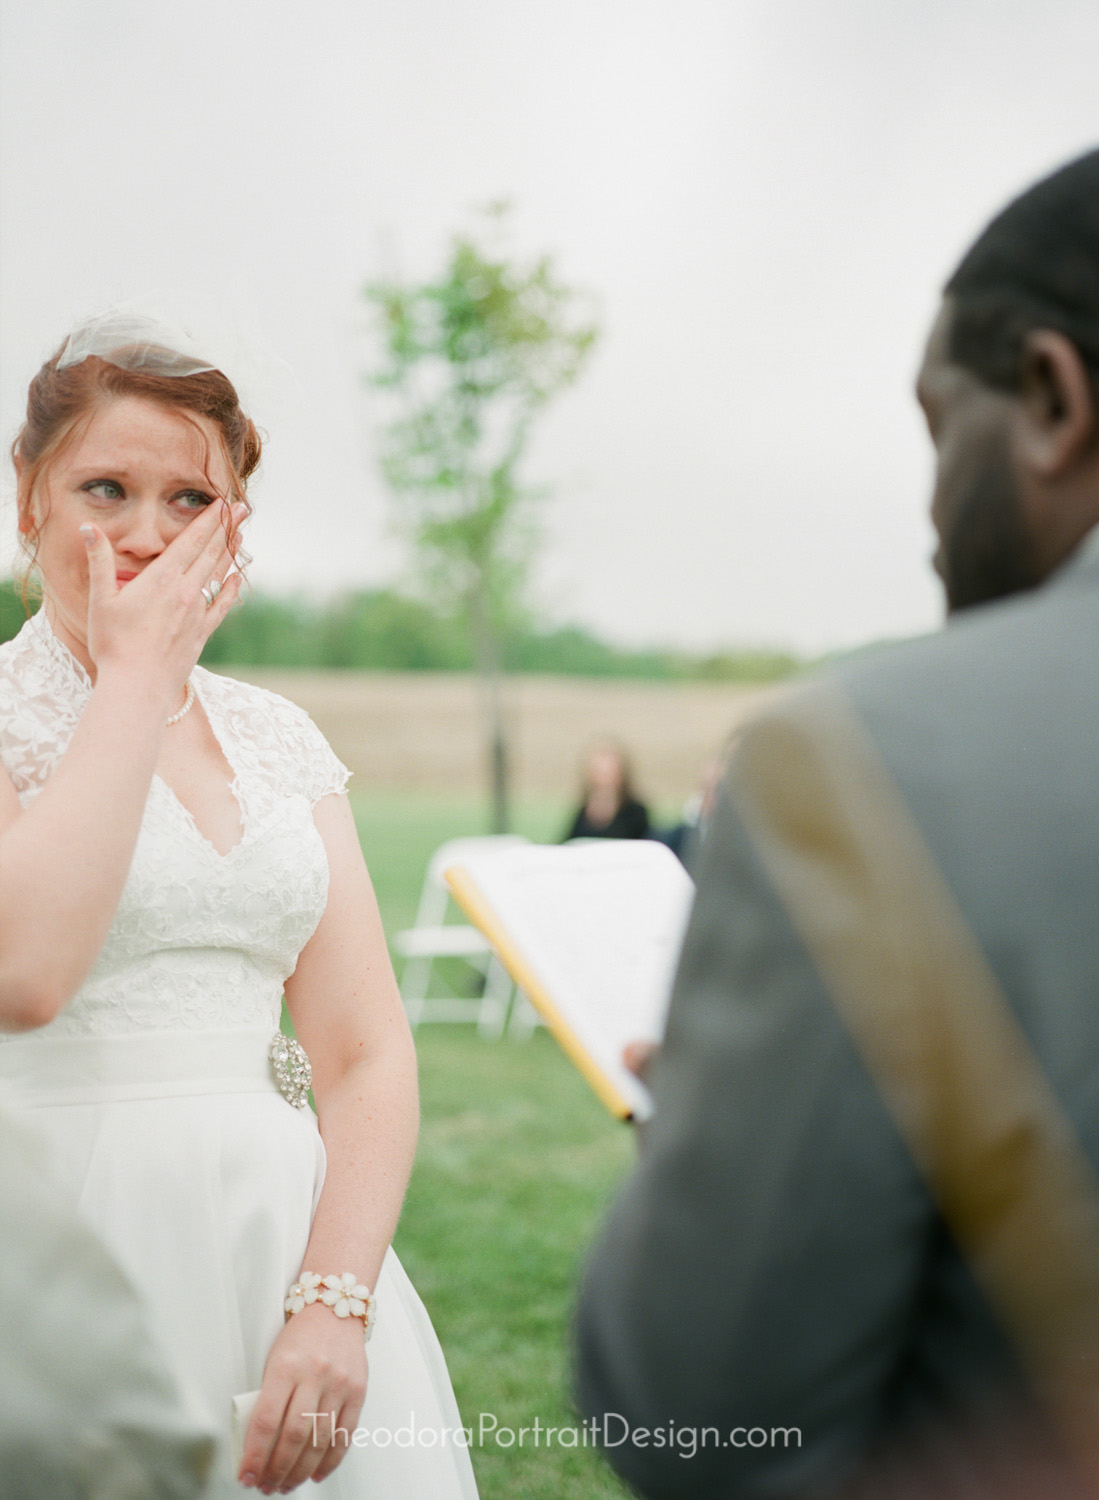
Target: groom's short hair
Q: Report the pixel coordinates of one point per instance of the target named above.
(1036, 265)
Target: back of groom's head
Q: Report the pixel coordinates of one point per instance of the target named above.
(1035, 266)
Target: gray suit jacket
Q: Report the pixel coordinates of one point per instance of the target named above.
(777, 1262)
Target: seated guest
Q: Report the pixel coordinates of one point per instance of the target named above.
(608, 807)
(684, 837)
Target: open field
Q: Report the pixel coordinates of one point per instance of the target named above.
(420, 731)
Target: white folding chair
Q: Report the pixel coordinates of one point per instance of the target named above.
(433, 937)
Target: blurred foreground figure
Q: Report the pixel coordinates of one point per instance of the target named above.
(861, 1253)
(88, 1409)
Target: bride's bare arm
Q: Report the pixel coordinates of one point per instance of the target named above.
(348, 1016)
(64, 859)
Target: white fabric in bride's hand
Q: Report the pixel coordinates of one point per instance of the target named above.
(155, 1094)
(242, 1409)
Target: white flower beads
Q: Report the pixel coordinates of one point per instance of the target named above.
(345, 1295)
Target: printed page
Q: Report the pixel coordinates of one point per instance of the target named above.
(598, 928)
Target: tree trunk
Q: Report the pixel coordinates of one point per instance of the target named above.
(501, 790)
(486, 655)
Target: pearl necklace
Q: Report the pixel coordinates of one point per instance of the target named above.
(188, 700)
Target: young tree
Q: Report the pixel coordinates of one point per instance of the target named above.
(469, 361)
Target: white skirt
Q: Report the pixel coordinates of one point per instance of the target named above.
(183, 1155)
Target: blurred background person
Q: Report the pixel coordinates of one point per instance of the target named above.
(609, 807)
(684, 837)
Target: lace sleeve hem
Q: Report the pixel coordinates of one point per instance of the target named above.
(280, 740)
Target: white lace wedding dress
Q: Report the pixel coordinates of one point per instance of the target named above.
(157, 1097)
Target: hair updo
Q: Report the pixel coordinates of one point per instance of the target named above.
(61, 402)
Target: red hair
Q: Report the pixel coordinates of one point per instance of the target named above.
(61, 402)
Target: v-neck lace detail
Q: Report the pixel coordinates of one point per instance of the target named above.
(199, 938)
(234, 786)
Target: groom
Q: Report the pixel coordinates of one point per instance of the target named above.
(861, 1250)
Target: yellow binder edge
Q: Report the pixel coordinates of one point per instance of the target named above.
(469, 897)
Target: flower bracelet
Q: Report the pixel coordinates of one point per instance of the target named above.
(345, 1295)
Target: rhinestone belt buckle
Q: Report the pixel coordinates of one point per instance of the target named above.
(292, 1070)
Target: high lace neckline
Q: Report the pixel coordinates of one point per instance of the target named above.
(70, 676)
(78, 686)
(73, 671)
(43, 635)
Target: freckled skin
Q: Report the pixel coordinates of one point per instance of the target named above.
(138, 471)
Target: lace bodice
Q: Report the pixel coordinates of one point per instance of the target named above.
(199, 939)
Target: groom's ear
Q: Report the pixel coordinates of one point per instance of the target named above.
(1053, 438)
(1055, 416)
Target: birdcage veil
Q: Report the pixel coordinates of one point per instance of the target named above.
(179, 332)
(133, 341)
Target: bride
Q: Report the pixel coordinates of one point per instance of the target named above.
(176, 854)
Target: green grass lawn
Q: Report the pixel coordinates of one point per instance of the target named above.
(517, 1163)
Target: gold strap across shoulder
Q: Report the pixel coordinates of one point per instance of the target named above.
(937, 1034)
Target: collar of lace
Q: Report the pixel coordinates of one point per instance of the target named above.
(64, 669)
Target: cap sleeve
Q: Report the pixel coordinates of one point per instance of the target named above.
(316, 768)
(274, 741)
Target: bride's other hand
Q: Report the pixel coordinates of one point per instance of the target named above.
(316, 1367)
(160, 620)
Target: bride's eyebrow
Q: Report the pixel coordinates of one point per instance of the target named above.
(101, 471)
(193, 481)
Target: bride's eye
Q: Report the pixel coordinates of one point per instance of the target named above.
(195, 499)
(103, 489)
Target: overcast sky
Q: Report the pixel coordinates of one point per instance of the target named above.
(763, 195)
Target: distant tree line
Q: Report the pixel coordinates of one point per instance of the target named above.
(382, 630)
